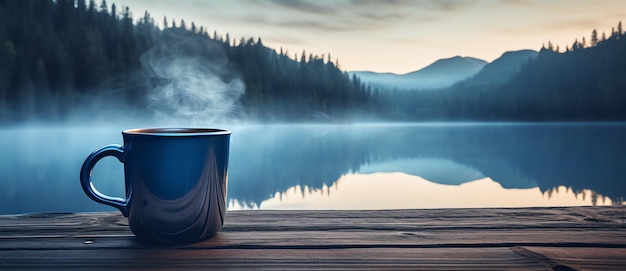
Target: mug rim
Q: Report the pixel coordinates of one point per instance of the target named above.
(177, 132)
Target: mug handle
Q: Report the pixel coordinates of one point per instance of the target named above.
(87, 184)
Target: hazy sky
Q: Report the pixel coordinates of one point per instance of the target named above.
(394, 35)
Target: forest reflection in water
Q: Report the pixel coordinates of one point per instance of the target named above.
(403, 191)
(352, 166)
(434, 165)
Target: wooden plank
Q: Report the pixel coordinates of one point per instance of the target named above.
(579, 238)
(574, 218)
(345, 239)
(282, 259)
(577, 258)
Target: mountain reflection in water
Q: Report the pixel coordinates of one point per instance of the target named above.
(402, 191)
(359, 166)
(578, 158)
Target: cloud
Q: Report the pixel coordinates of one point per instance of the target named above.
(317, 25)
(285, 39)
(341, 16)
(303, 23)
(555, 25)
(453, 5)
(382, 17)
(305, 6)
(575, 23)
(561, 7)
(436, 5)
(519, 3)
(365, 23)
(391, 3)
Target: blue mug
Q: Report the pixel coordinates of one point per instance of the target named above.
(176, 182)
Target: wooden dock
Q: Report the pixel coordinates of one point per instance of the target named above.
(574, 238)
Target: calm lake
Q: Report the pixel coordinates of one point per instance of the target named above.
(354, 166)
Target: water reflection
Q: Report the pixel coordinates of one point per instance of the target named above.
(441, 171)
(578, 156)
(403, 191)
(40, 168)
(40, 165)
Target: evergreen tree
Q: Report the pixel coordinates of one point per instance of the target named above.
(56, 55)
(104, 9)
(594, 38)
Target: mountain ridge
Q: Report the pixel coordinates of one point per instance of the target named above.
(440, 74)
(503, 68)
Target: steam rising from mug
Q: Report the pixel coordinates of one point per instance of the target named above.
(191, 80)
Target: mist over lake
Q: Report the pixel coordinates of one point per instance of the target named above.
(92, 59)
(533, 127)
(553, 164)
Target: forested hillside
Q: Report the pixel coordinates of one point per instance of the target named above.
(65, 58)
(56, 56)
(61, 57)
(583, 82)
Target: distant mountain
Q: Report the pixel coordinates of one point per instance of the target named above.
(440, 74)
(504, 68)
(582, 83)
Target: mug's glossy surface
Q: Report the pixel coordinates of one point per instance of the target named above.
(176, 182)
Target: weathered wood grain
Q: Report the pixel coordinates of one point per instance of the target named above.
(573, 238)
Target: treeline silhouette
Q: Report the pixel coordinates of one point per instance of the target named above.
(584, 82)
(508, 154)
(60, 57)
(280, 88)
(54, 55)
